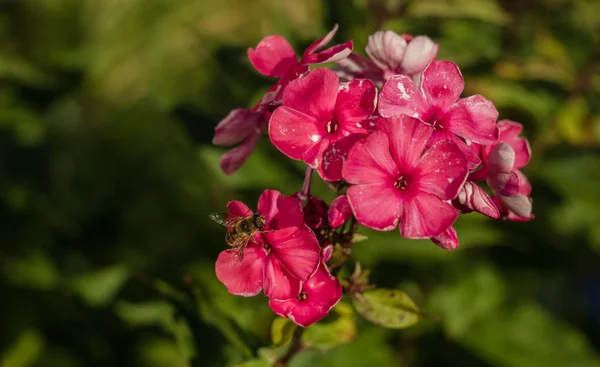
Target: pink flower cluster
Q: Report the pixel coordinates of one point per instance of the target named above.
(390, 129)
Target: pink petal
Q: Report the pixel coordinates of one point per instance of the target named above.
(273, 56)
(235, 158)
(234, 128)
(524, 185)
(400, 95)
(470, 153)
(339, 211)
(386, 49)
(377, 206)
(408, 138)
(238, 209)
(315, 212)
(243, 278)
(474, 118)
(369, 161)
(356, 101)
(442, 83)
(281, 212)
(334, 157)
(425, 216)
(278, 282)
(314, 94)
(321, 42)
(442, 170)
(501, 158)
(314, 155)
(509, 129)
(448, 239)
(475, 198)
(518, 204)
(356, 66)
(420, 51)
(332, 54)
(509, 133)
(298, 252)
(326, 253)
(293, 132)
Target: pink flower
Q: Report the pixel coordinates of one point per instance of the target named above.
(317, 297)
(448, 239)
(339, 211)
(277, 259)
(321, 119)
(396, 180)
(501, 164)
(390, 54)
(473, 198)
(437, 102)
(315, 212)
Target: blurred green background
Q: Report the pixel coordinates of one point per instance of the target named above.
(107, 110)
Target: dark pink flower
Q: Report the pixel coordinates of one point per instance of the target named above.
(437, 102)
(501, 164)
(317, 297)
(321, 119)
(339, 211)
(397, 180)
(277, 259)
(315, 212)
(390, 54)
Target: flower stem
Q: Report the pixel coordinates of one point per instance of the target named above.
(303, 196)
(295, 347)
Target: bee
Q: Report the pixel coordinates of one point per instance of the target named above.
(240, 231)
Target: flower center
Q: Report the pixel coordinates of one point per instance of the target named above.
(401, 183)
(301, 296)
(331, 127)
(267, 247)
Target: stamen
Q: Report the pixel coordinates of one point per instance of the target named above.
(331, 127)
(301, 296)
(401, 183)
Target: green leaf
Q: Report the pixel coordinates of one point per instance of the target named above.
(100, 287)
(24, 351)
(282, 331)
(36, 270)
(326, 335)
(387, 307)
(485, 10)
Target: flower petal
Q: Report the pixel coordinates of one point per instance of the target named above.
(509, 133)
(314, 94)
(442, 170)
(377, 206)
(298, 252)
(400, 95)
(334, 157)
(442, 83)
(238, 209)
(474, 118)
(273, 56)
(356, 101)
(293, 132)
(408, 138)
(321, 42)
(386, 49)
(470, 151)
(234, 128)
(369, 161)
(281, 212)
(420, 51)
(339, 211)
(425, 216)
(235, 157)
(243, 278)
(448, 239)
(518, 204)
(475, 198)
(278, 282)
(332, 54)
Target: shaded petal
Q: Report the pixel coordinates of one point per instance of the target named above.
(377, 206)
(273, 56)
(281, 212)
(339, 211)
(448, 239)
(314, 94)
(334, 157)
(314, 155)
(442, 170)
(474, 118)
(238, 209)
(386, 49)
(235, 158)
(234, 128)
(298, 252)
(332, 54)
(400, 95)
(442, 83)
(408, 138)
(469, 151)
(369, 161)
(420, 51)
(243, 278)
(524, 185)
(278, 282)
(356, 101)
(293, 132)
(356, 66)
(518, 204)
(509, 133)
(425, 216)
(321, 42)
(475, 198)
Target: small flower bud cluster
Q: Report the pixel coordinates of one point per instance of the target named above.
(392, 133)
